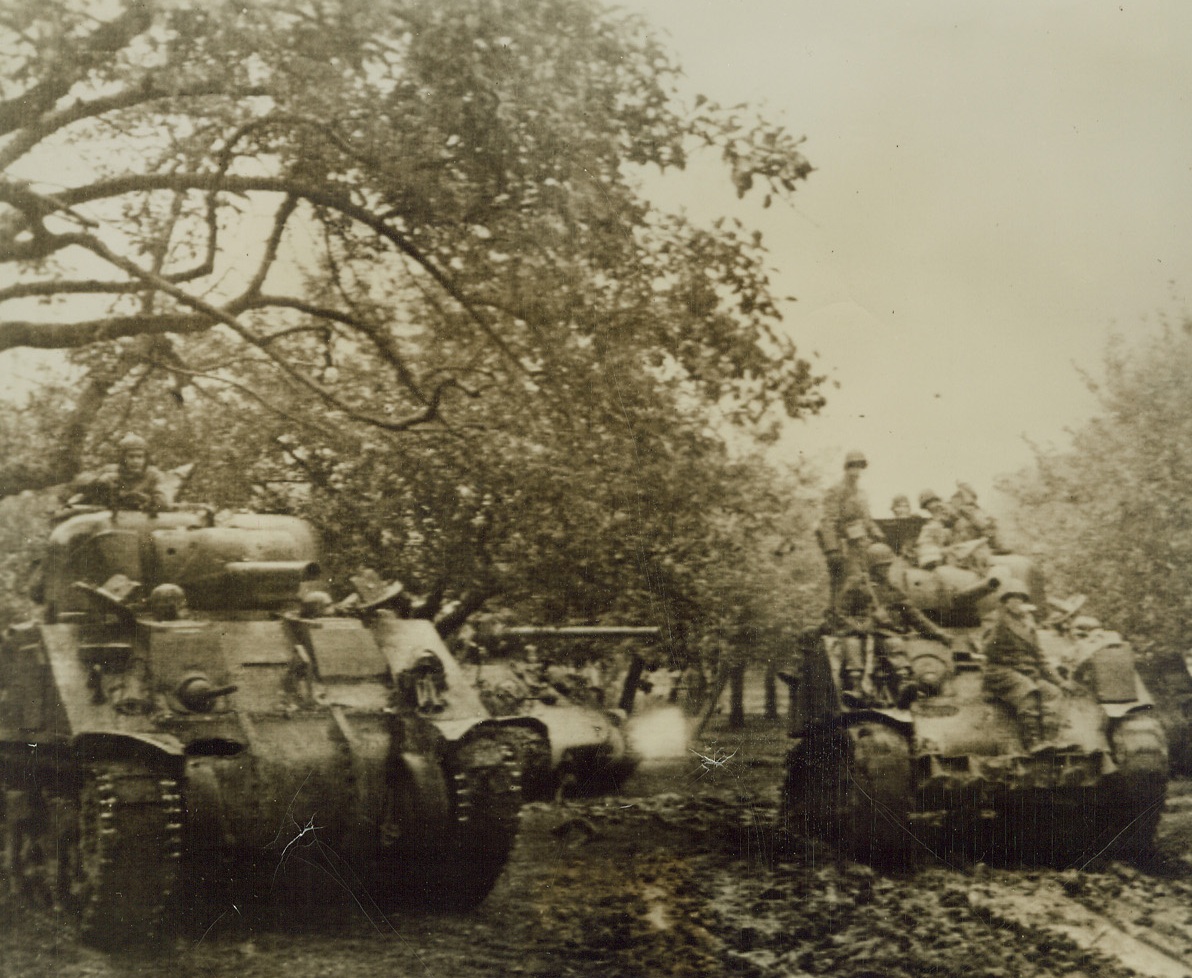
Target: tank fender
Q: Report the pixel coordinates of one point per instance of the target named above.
(155, 748)
(899, 720)
(572, 727)
(456, 730)
(421, 810)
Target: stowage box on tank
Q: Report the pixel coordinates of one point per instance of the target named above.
(171, 718)
(883, 782)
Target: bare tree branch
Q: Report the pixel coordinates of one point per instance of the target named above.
(71, 335)
(229, 319)
(72, 65)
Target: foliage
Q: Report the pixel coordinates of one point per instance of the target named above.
(1113, 514)
(22, 533)
(393, 265)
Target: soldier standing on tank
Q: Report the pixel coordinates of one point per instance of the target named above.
(846, 529)
(1018, 675)
(878, 610)
(130, 483)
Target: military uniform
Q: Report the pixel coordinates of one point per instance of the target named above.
(933, 542)
(1017, 674)
(845, 533)
(883, 610)
(972, 522)
(112, 486)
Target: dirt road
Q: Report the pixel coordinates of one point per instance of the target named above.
(681, 875)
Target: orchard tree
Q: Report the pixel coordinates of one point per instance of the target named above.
(1113, 513)
(394, 263)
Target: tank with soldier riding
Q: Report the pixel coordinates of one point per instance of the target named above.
(946, 701)
(186, 696)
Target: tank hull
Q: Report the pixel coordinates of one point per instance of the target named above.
(147, 762)
(952, 772)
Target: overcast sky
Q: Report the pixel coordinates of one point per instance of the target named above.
(998, 187)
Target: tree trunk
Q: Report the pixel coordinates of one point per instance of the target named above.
(771, 687)
(736, 696)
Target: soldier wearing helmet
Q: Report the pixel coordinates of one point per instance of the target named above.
(936, 534)
(971, 521)
(129, 483)
(167, 602)
(877, 610)
(846, 529)
(1019, 675)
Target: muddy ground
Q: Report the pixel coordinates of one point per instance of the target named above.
(681, 875)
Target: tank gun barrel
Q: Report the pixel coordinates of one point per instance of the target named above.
(275, 574)
(973, 594)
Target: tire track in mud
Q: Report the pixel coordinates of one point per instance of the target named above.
(1161, 950)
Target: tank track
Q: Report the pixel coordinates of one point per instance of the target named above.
(1133, 801)
(125, 875)
(534, 758)
(450, 850)
(852, 788)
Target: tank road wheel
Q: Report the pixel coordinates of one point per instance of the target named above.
(124, 861)
(450, 829)
(1133, 800)
(852, 788)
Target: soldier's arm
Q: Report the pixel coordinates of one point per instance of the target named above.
(901, 602)
(156, 492)
(926, 627)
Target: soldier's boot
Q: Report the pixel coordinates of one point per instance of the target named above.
(852, 694)
(1030, 723)
(906, 689)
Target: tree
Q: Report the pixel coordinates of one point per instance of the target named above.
(1112, 514)
(393, 263)
(462, 171)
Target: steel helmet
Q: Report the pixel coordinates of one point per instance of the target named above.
(167, 602)
(855, 458)
(927, 496)
(880, 553)
(1014, 589)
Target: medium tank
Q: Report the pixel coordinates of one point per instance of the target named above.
(177, 718)
(583, 747)
(951, 772)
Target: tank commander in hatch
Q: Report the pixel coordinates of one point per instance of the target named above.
(846, 529)
(880, 610)
(129, 483)
(1017, 673)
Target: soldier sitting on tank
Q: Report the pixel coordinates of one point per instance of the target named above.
(130, 483)
(1017, 673)
(876, 608)
(972, 522)
(936, 534)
